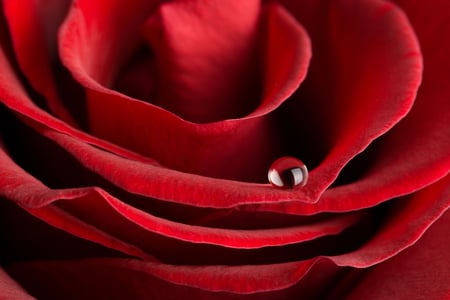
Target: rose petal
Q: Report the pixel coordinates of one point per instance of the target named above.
(409, 219)
(106, 32)
(402, 63)
(206, 149)
(14, 97)
(414, 153)
(95, 215)
(185, 275)
(420, 211)
(103, 210)
(363, 79)
(407, 216)
(207, 59)
(141, 280)
(32, 40)
(19, 186)
(420, 272)
(10, 289)
(57, 169)
(25, 237)
(408, 71)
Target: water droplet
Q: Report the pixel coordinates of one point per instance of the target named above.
(288, 172)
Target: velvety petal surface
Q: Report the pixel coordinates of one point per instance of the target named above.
(33, 33)
(206, 73)
(166, 137)
(363, 79)
(378, 195)
(242, 279)
(10, 289)
(414, 153)
(93, 214)
(407, 220)
(420, 272)
(128, 278)
(405, 60)
(15, 98)
(228, 188)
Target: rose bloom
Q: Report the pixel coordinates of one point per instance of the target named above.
(136, 138)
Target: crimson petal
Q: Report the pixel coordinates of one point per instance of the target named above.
(238, 279)
(206, 149)
(33, 33)
(10, 289)
(363, 79)
(414, 153)
(420, 272)
(93, 214)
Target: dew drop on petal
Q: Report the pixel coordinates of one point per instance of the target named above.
(288, 172)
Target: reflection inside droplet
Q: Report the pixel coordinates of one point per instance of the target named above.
(288, 172)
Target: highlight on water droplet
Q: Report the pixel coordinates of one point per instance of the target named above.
(288, 172)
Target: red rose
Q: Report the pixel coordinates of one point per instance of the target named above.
(136, 136)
